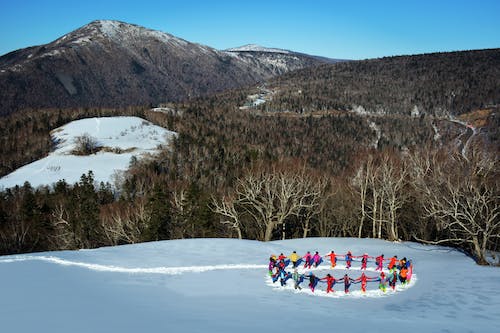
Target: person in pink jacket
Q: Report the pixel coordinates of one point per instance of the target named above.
(380, 263)
(307, 260)
(316, 259)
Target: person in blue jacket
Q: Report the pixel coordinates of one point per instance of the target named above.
(283, 276)
(347, 282)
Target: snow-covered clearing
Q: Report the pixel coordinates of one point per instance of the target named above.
(222, 285)
(120, 137)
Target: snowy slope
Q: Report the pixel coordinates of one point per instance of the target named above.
(123, 138)
(221, 285)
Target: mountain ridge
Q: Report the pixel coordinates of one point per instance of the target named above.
(116, 64)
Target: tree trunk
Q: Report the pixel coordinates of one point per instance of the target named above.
(479, 252)
(393, 233)
(361, 224)
(269, 232)
(306, 228)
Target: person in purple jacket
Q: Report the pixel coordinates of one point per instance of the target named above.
(316, 259)
(307, 259)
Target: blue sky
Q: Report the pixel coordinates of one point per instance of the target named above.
(338, 29)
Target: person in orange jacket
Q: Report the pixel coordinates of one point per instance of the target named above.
(333, 258)
(403, 274)
(392, 262)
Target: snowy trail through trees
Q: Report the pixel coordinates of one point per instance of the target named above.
(133, 270)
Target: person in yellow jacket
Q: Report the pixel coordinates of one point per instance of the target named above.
(294, 259)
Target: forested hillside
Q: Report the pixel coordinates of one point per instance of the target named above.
(434, 84)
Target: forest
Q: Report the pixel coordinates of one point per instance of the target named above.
(436, 84)
(260, 174)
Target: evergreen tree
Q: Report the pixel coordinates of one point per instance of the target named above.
(85, 212)
(159, 213)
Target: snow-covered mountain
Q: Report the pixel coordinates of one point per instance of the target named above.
(112, 63)
(222, 285)
(257, 48)
(118, 139)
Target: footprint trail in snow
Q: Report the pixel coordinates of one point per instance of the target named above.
(134, 270)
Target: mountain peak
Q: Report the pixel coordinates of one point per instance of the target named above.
(117, 31)
(257, 48)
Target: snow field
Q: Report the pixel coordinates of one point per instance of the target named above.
(222, 285)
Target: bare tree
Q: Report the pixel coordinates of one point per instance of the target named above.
(179, 207)
(360, 185)
(271, 197)
(380, 187)
(462, 196)
(337, 213)
(124, 223)
(393, 176)
(63, 236)
(316, 205)
(227, 209)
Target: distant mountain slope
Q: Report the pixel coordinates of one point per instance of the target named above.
(259, 51)
(111, 63)
(437, 84)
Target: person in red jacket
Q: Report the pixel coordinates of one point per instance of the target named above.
(330, 281)
(333, 259)
(364, 260)
(380, 263)
(348, 259)
(364, 279)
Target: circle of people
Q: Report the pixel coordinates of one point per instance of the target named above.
(397, 270)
